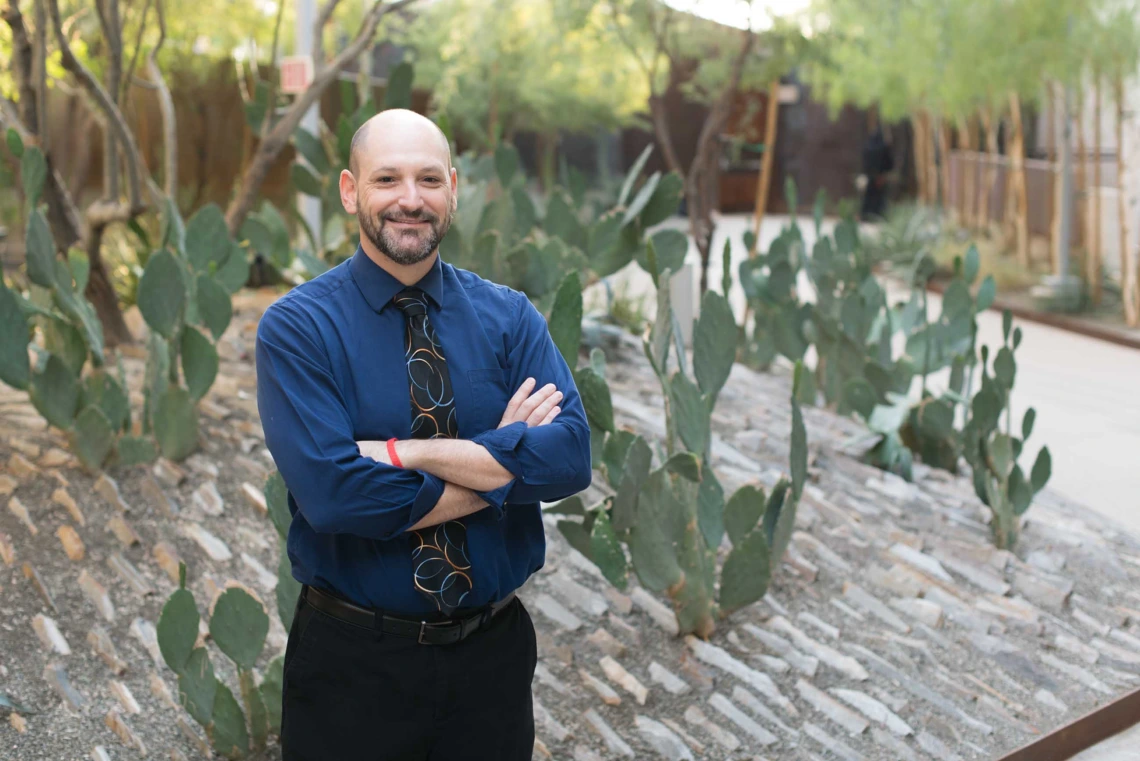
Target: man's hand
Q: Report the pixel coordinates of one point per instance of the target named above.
(538, 408)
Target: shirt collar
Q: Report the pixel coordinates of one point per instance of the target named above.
(378, 287)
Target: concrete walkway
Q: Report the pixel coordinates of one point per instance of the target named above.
(1123, 747)
(1086, 392)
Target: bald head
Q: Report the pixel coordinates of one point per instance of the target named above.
(395, 129)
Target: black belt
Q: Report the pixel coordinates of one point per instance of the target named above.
(424, 632)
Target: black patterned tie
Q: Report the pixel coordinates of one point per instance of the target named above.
(439, 558)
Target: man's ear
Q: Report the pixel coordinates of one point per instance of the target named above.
(454, 190)
(348, 191)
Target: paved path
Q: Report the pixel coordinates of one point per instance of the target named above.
(1086, 392)
(1123, 747)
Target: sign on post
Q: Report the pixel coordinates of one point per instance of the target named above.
(296, 74)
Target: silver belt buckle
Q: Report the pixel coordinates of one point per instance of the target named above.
(420, 638)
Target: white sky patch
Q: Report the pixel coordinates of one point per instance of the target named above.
(741, 13)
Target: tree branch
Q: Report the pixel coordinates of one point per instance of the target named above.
(117, 123)
(271, 98)
(278, 137)
(112, 32)
(166, 106)
(323, 17)
(128, 80)
(23, 66)
(39, 80)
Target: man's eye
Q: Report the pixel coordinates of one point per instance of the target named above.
(431, 179)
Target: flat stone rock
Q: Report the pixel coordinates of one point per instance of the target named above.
(72, 545)
(145, 633)
(762, 683)
(107, 488)
(154, 495)
(548, 724)
(101, 643)
(697, 718)
(604, 691)
(805, 664)
(742, 720)
(695, 745)
(123, 694)
(557, 612)
(255, 497)
(1125, 655)
(873, 605)
(56, 676)
(99, 753)
(16, 508)
(167, 558)
(20, 467)
(1050, 593)
(123, 531)
(817, 623)
(97, 594)
(750, 701)
(617, 674)
(1089, 655)
(977, 575)
(129, 574)
(919, 609)
(265, 579)
(208, 499)
(1078, 673)
(874, 710)
(583, 598)
(214, 547)
(852, 723)
(661, 614)
(61, 497)
(898, 579)
(672, 683)
(1090, 623)
(921, 561)
(771, 664)
(194, 737)
(56, 458)
(544, 676)
(898, 749)
(32, 575)
(1049, 700)
(844, 664)
(662, 739)
(7, 485)
(611, 738)
(202, 465)
(49, 634)
(622, 603)
(1050, 562)
(116, 724)
(822, 551)
(936, 747)
(7, 551)
(836, 747)
(168, 473)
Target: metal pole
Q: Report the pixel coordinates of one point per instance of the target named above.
(309, 207)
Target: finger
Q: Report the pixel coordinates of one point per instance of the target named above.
(520, 395)
(544, 409)
(534, 401)
(550, 416)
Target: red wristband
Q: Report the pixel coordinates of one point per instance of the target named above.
(392, 454)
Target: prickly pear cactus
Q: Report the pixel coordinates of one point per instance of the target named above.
(993, 453)
(668, 522)
(238, 625)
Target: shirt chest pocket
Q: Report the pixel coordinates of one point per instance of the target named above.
(489, 396)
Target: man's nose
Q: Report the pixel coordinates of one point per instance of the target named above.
(410, 198)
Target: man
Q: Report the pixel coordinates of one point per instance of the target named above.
(414, 475)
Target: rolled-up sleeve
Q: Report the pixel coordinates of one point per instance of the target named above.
(548, 462)
(309, 434)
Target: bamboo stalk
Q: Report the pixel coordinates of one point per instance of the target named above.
(1096, 256)
(943, 133)
(1127, 269)
(771, 125)
(990, 176)
(1021, 212)
(1082, 196)
(920, 156)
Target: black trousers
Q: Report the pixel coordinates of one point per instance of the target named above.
(352, 694)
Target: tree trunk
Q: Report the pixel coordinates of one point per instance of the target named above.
(1096, 255)
(1082, 196)
(1058, 181)
(101, 293)
(969, 163)
(989, 179)
(771, 125)
(548, 168)
(920, 166)
(1128, 290)
(944, 165)
(1021, 212)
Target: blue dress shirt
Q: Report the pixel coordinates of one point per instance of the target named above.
(331, 372)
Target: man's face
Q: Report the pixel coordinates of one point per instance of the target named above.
(405, 195)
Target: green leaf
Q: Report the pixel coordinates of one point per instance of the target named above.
(614, 454)
(135, 450)
(162, 293)
(93, 438)
(1042, 470)
(743, 512)
(238, 625)
(798, 455)
(1001, 453)
(15, 368)
(40, 251)
(607, 553)
(199, 362)
(271, 688)
(686, 465)
(80, 268)
(175, 423)
(973, 264)
(595, 394)
(634, 473)
(33, 171)
(690, 414)
(55, 392)
(197, 686)
(398, 93)
(173, 228)
(634, 173)
(746, 573)
(506, 163)
(569, 506)
(1005, 367)
(641, 200)
(1027, 423)
(710, 509)
(779, 520)
(1020, 494)
(305, 181)
(207, 238)
(15, 143)
(654, 557)
(214, 305)
(670, 247)
(227, 731)
(566, 318)
(663, 202)
(562, 222)
(313, 151)
(277, 500)
(714, 344)
(288, 588)
(234, 272)
(178, 629)
(258, 713)
(859, 396)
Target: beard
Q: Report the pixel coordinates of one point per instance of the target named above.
(406, 246)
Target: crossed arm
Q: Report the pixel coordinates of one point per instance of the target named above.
(465, 466)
